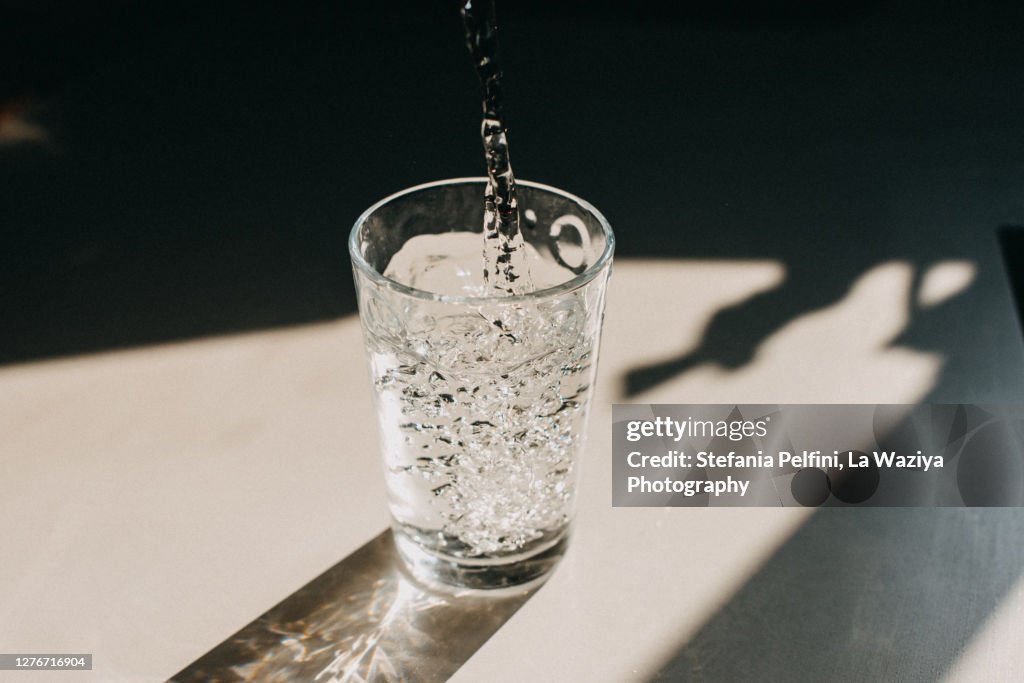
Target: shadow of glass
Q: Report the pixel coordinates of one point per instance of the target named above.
(362, 619)
(877, 594)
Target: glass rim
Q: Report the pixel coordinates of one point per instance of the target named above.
(574, 283)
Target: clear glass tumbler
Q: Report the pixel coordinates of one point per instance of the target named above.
(481, 398)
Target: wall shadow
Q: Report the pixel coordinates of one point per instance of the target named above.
(195, 172)
(362, 619)
(871, 594)
(200, 177)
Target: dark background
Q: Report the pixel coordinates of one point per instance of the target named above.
(195, 167)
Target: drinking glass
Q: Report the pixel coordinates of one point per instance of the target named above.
(481, 398)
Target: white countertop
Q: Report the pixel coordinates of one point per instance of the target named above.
(155, 500)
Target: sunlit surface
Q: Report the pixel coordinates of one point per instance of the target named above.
(842, 353)
(159, 499)
(944, 280)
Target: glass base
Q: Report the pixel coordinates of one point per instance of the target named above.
(518, 572)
